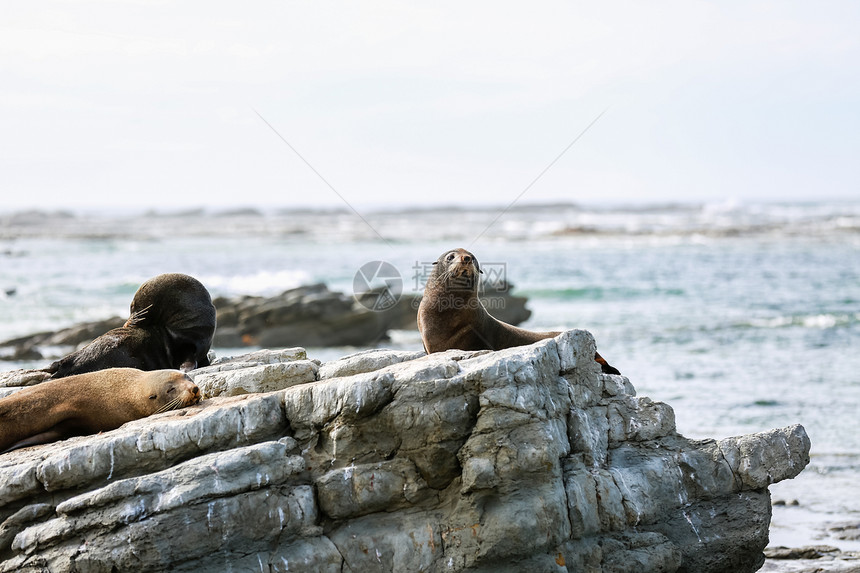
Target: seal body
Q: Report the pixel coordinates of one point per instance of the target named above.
(452, 316)
(90, 403)
(171, 326)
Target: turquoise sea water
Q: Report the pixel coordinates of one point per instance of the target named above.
(741, 317)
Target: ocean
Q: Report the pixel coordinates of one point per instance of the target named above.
(742, 316)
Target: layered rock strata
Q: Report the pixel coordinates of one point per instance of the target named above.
(526, 459)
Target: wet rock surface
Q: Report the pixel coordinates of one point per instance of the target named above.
(811, 559)
(526, 459)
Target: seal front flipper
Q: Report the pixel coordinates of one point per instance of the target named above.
(63, 430)
(52, 368)
(605, 367)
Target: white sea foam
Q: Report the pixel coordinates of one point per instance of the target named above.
(262, 283)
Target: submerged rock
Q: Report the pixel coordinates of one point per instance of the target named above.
(525, 459)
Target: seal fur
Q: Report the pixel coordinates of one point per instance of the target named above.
(171, 325)
(451, 314)
(90, 403)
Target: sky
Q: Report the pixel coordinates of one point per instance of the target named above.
(170, 105)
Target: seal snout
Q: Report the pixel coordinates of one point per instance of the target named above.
(193, 395)
(465, 265)
(189, 392)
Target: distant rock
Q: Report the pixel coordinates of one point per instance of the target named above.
(810, 559)
(525, 459)
(28, 347)
(310, 316)
(806, 552)
(314, 316)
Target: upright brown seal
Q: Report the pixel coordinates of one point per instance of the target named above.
(171, 326)
(90, 403)
(451, 314)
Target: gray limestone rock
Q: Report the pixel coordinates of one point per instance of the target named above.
(366, 361)
(256, 372)
(255, 379)
(526, 459)
(22, 377)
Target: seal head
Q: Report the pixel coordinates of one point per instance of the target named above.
(180, 307)
(171, 325)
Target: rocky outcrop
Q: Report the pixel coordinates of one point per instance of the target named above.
(310, 315)
(31, 347)
(526, 459)
(315, 316)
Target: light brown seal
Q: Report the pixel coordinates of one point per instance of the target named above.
(90, 403)
(171, 326)
(451, 314)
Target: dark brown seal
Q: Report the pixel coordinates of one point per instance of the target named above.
(451, 314)
(90, 403)
(171, 326)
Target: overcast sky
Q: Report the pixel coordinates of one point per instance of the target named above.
(155, 104)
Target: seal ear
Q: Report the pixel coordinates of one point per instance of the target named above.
(153, 397)
(435, 262)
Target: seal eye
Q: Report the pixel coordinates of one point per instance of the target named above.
(450, 257)
(171, 390)
(153, 397)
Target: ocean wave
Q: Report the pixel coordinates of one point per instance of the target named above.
(597, 293)
(262, 283)
(519, 222)
(819, 321)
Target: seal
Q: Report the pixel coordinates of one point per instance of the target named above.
(89, 403)
(171, 326)
(452, 316)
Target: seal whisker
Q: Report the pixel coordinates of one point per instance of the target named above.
(172, 405)
(137, 317)
(444, 276)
